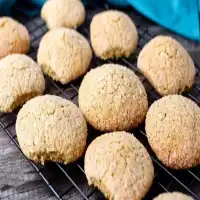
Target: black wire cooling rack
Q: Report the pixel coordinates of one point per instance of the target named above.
(69, 182)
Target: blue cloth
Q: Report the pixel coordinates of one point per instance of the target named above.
(38, 2)
(180, 16)
(5, 6)
(122, 3)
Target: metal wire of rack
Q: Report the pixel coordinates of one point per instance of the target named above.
(69, 182)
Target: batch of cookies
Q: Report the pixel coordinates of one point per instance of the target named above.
(111, 98)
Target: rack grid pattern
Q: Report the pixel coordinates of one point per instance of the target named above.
(69, 182)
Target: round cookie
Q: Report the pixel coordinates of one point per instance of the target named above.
(50, 128)
(173, 196)
(173, 131)
(14, 37)
(112, 97)
(64, 54)
(119, 166)
(167, 65)
(20, 80)
(63, 13)
(118, 33)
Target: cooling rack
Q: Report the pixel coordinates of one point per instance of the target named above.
(69, 182)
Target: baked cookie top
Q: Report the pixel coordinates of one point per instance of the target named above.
(173, 196)
(173, 131)
(63, 13)
(119, 165)
(50, 128)
(20, 79)
(167, 65)
(14, 37)
(113, 34)
(112, 97)
(64, 54)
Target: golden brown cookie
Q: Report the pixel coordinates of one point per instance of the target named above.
(119, 165)
(20, 79)
(173, 131)
(113, 34)
(63, 13)
(167, 65)
(64, 54)
(173, 196)
(14, 37)
(112, 98)
(50, 128)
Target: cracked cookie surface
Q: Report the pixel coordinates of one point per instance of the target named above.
(118, 33)
(64, 54)
(173, 131)
(50, 128)
(20, 79)
(14, 37)
(167, 65)
(119, 165)
(112, 97)
(63, 13)
(173, 196)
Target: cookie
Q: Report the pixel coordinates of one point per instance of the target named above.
(173, 131)
(64, 54)
(119, 166)
(20, 80)
(118, 33)
(14, 37)
(112, 97)
(173, 196)
(167, 65)
(63, 13)
(50, 128)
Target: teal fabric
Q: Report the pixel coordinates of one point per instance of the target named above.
(38, 2)
(5, 6)
(180, 16)
(122, 3)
